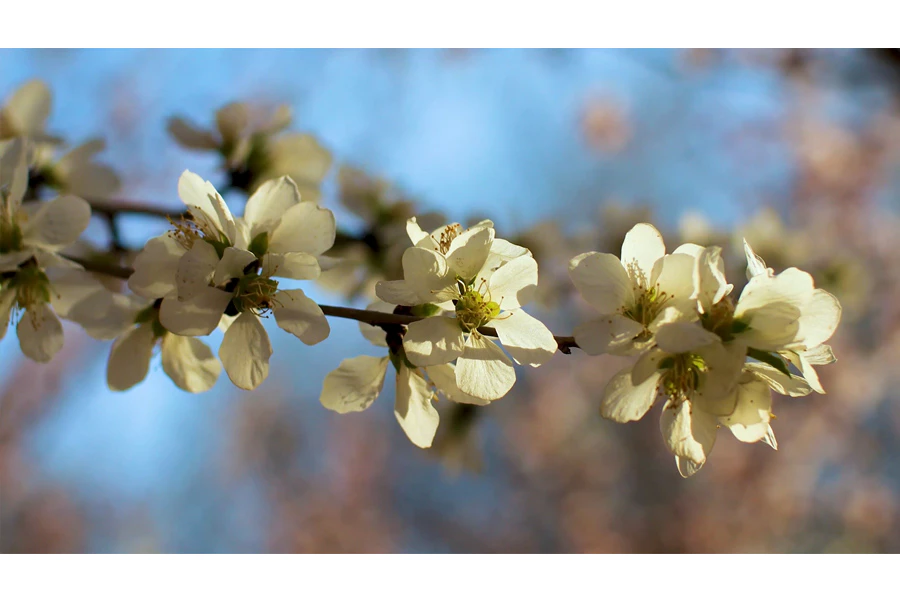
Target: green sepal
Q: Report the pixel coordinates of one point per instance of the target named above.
(770, 358)
(425, 310)
(739, 326)
(260, 244)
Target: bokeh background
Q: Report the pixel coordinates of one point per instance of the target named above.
(565, 151)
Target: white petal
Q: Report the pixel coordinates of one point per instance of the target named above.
(610, 334)
(269, 203)
(291, 265)
(676, 338)
(515, 283)
(688, 432)
(724, 363)
(57, 223)
(40, 333)
(755, 265)
(674, 275)
(376, 335)
(820, 318)
(417, 235)
(89, 180)
(245, 352)
(354, 385)
(427, 274)
(71, 289)
(444, 379)
(232, 265)
(189, 136)
(791, 286)
(305, 227)
(413, 408)
(433, 341)
(200, 195)
(299, 315)
(753, 408)
(710, 285)
(189, 363)
(483, 370)
(469, 250)
(687, 468)
(602, 281)
(623, 401)
(526, 339)
(129, 358)
(301, 156)
(397, 292)
(155, 267)
(198, 316)
(778, 381)
(28, 108)
(196, 269)
(647, 366)
(642, 247)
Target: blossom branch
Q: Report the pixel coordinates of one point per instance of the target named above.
(370, 317)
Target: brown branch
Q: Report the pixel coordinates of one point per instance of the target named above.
(370, 317)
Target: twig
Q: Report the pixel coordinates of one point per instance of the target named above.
(370, 317)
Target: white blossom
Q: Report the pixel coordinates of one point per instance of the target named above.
(469, 273)
(631, 293)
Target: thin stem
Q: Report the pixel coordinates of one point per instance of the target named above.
(370, 317)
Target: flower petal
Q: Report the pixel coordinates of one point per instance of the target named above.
(755, 265)
(57, 223)
(469, 250)
(688, 432)
(397, 292)
(155, 267)
(444, 379)
(623, 401)
(354, 385)
(778, 381)
(301, 156)
(7, 299)
(189, 136)
(305, 227)
(676, 338)
(433, 341)
(129, 358)
(749, 422)
(376, 335)
(197, 316)
(483, 370)
(526, 339)
(602, 281)
(413, 409)
(642, 247)
(201, 197)
(515, 283)
(28, 108)
(427, 274)
(245, 352)
(189, 363)
(196, 269)
(40, 333)
(232, 265)
(268, 204)
(299, 315)
(291, 265)
(610, 334)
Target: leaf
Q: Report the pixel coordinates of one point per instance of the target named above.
(770, 358)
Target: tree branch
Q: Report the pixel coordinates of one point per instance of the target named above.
(370, 317)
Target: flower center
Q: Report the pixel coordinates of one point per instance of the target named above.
(647, 305)
(720, 319)
(253, 292)
(682, 377)
(190, 228)
(472, 311)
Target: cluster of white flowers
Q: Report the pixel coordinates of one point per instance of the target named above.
(714, 361)
(711, 360)
(460, 281)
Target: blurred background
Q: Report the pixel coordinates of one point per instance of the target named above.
(565, 150)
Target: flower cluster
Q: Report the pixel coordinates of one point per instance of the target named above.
(712, 360)
(451, 301)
